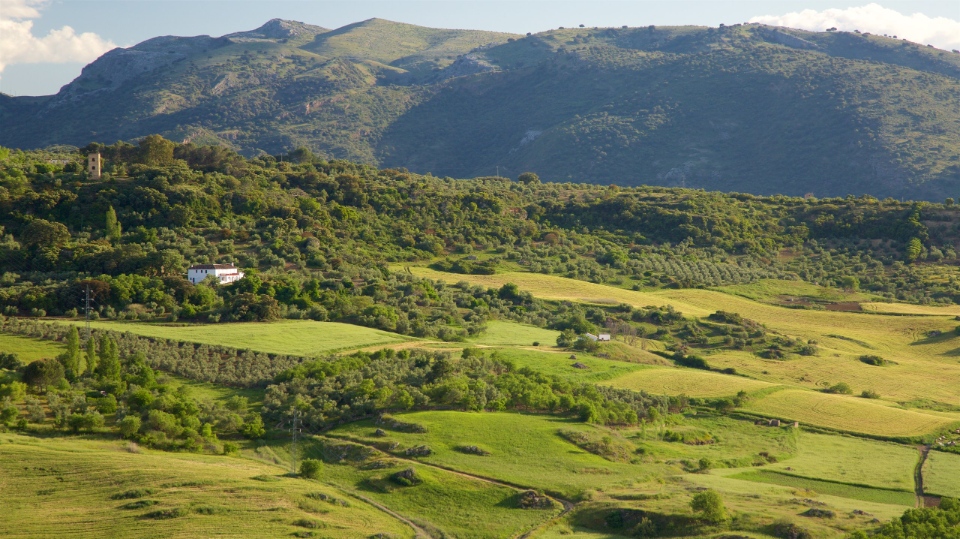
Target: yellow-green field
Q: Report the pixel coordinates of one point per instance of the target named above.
(67, 488)
(851, 414)
(504, 333)
(941, 474)
(846, 459)
(294, 337)
(693, 383)
(28, 348)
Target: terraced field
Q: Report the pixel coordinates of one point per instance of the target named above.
(941, 474)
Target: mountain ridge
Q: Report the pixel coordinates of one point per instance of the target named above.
(746, 108)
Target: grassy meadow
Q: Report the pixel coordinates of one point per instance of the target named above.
(88, 487)
(29, 349)
(293, 337)
(505, 333)
(941, 474)
(679, 381)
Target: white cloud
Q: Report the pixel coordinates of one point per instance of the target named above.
(938, 31)
(18, 44)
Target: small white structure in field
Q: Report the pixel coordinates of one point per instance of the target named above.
(225, 273)
(603, 337)
(590, 336)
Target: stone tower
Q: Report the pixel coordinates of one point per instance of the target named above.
(93, 166)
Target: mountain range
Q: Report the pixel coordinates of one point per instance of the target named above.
(747, 108)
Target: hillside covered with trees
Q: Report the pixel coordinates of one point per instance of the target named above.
(744, 108)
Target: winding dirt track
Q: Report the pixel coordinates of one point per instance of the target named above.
(566, 504)
(918, 475)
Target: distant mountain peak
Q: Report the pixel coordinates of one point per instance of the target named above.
(278, 29)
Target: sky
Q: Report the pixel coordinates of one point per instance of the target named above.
(45, 43)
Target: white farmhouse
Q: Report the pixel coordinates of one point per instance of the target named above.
(225, 273)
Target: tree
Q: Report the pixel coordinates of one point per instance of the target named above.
(851, 282)
(156, 150)
(253, 427)
(71, 358)
(108, 367)
(43, 373)
(528, 178)
(112, 226)
(130, 426)
(311, 468)
(710, 506)
(43, 233)
(91, 355)
(914, 249)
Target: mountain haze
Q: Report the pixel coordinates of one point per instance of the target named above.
(742, 108)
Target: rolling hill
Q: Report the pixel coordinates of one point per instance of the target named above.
(738, 108)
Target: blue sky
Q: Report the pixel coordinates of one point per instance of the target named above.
(45, 43)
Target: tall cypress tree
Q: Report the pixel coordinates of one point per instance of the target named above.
(71, 358)
(112, 226)
(92, 355)
(109, 366)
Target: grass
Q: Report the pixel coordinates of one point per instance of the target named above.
(445, 503)
(770, 290)
(850, 414)
(846, 459)
(59, 487)
(294, 337)
(28, 348)
(558, 363)
(504, 333)
(941, 474)
(690, 382)
(524, 449)
(828, 487)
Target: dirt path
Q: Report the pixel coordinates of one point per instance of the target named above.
(419, 532)
(566, 504)
(918, 474)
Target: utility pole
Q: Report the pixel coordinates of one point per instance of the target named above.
(294, 437)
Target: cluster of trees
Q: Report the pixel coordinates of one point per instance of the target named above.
(97, 387)
(941, 522)
(331, 391)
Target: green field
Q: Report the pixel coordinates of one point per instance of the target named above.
(559, 363)
(941, 474)
(524, 449)
(845, 459)
(846, 413)
(67, 487)
(690, 382)
(28, 348)
(294, 337)
(827, 487)
(504, 333)
(445, 504)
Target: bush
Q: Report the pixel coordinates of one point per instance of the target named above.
(130, 426)
(311, 468)
(841, 388)
(869, 394)
(406, 478)
(710, 506)
(876, 361)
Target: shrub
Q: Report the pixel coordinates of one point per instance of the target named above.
(406, 478)
(130, 426)
(311, 468)
(710, 506)
(869, 394)
(876, 361)
(841, 388)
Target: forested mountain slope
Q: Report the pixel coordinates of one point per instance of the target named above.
(741, 108)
